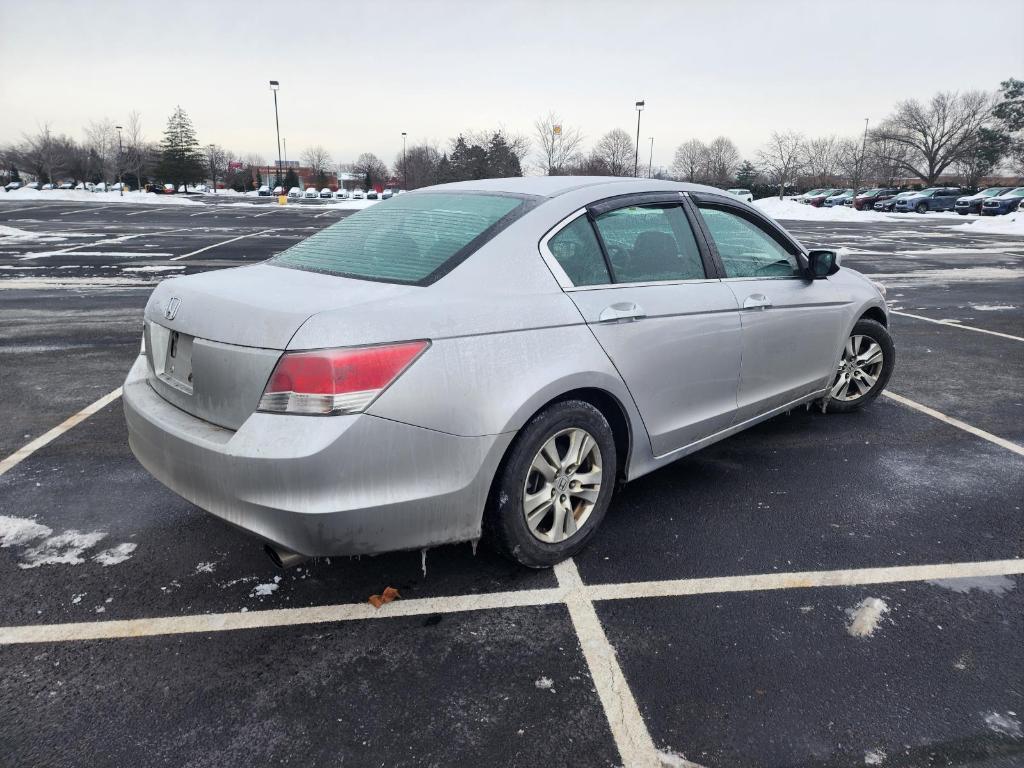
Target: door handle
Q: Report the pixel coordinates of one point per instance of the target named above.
(757, 301)
(621, 312)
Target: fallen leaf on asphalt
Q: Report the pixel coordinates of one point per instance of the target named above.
(390, 593)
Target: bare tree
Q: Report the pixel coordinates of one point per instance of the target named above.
(418, 166)
(45, 153)
(782, 158)
(853, 161)
(217, 160)
(887, 160)
(721, 160)
(615, 150)
(319, 161)
(938, 134)
(101, 142)
(137, 152)
(689, 161)
(558, 145)
(371, 168)
(821, 160)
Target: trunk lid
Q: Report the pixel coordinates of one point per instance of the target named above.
(213, 339)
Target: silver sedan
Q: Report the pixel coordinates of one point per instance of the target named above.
(489, 357)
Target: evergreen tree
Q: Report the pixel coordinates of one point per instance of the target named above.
(181, 160)
(468, 161)
(291, 179)
(259, 180)
(368, 182)
(746, 176)
(444, 170)
(501, 161)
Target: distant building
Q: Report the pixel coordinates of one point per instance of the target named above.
(307, 178)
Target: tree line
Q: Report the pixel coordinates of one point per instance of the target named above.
(967, 135)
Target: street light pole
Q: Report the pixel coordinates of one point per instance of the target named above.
(213, 169)
(274, 86)
(650, 158)
(636, 155)
(120, 154)
(405, 167)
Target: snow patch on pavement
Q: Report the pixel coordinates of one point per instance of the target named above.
(1004, 725)
(1007, 224)
(992, 307)
(104, 198)
(874, 757)
(265, 590)
(993, 585)
(863, 620)
(545, 684)
(794, 211)
(65, 548)
(18, 531)
(115, 555)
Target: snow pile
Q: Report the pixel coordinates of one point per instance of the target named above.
(794, 211)
(1008, 224)
(81, 196)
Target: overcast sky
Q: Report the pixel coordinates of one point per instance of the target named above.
(354, 75)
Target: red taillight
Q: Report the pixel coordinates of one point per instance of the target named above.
(333, 381)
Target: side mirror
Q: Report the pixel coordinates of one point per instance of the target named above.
(821, 264)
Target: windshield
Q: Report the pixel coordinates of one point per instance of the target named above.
(871, 193)
(992, 191)
(1018, 192)
(412, 239)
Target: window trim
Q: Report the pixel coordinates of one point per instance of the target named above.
(758, 220)
(606, 205)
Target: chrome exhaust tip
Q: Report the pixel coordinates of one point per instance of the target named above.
(283, 558)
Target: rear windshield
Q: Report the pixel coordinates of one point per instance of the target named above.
(413, 239)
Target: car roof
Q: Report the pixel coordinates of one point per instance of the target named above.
(553, 186)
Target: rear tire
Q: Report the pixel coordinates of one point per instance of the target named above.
(554, 486)
(861, 377)
(922, 208)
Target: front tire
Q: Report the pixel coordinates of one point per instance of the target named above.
(554, 486)
(865, 366)
(922, 208)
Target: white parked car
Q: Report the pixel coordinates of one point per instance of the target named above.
(48, 186)
(326, 194)
(32, 185)
(66, 185)
(278, 191)
(311, 193)
(357, 194)
(387, 193)
(101, 187)
(294, 193)
(263, 191)
(13, 185)
(743, 194)
(341, 194)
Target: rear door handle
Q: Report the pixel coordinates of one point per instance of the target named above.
(621, 312)
(756, 301)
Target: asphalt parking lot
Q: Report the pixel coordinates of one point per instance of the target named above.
(821, 590)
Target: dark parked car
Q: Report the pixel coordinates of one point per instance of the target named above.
(866, 200)
(931, 199)
(818, 199)
(890, 203)
(1008, 202)
(972, 203)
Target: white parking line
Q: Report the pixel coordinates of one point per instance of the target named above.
(636, 748)
(951, 324)
(217, 245)
(27, 208)
(1000, 441)
(272, 210)
(23, 453)
(84, 210)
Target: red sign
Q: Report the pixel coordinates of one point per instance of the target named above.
(234, 165)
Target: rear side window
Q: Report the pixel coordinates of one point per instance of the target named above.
(413, 239)
(578, 253)
(650, 243)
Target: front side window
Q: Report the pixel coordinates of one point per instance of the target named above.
(648, 243)
(577, 251)
(745, 249)
(412, 239)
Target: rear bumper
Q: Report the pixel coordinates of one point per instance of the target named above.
(336, 485)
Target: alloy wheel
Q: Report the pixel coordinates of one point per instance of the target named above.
(859, 368)
(562, 485)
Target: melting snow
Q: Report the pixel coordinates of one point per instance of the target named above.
(865, 617)
(991, 307)
(65, 548)
(1004, 724)
(874, 757)
(264, 590)
(16, 531)
(994, 585)
(115, 555)
(545, 684)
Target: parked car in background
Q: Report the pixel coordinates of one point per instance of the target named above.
(278, 191)
(1008, 202)
(839, 198)
(931, 199)
(201, 188)
(326, 194)
(294, 193)
(809, 193)
(12, 185)
(371, 194)
(364, 391)
(66, 185)
(169, 189)
(865, 201)
(263, 191)
(819, 198)
(311, 193)
(47, 186)
(357, 194)
(32, 185)
(387, 194)
(101, 187)
(743, 194)
(341, 194)
(972, 203)
(889, 204)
